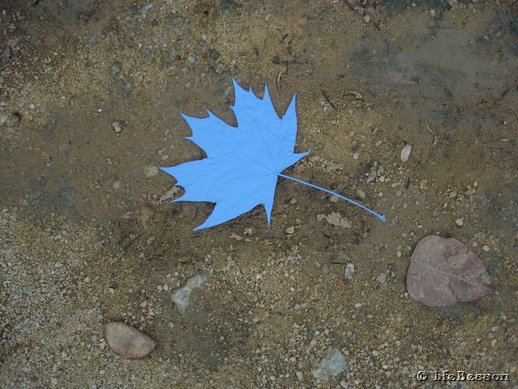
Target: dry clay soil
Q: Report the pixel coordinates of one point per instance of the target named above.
(90, 96)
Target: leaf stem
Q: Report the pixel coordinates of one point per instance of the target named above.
(379, 216)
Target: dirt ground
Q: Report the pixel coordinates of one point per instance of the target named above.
(90, 96)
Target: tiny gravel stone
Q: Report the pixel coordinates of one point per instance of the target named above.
(150, 171)
(3, 119)
(178, 21)
(92, 39)
(367, 18)
(117, 127)
(349, 271)
(459, 222)
(371, 177)
(356, 155)
(290, 230)
(128, 341)
(116, 185)
(214, 54)
(116, 68)
(170, 193)
(145, 8)
(361, 194)
(192, 58)
(382, 278)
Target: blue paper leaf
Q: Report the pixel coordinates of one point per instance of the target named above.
(243, 163)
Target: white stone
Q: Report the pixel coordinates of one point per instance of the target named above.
(405, 153)
(181, 296)
(331, 365)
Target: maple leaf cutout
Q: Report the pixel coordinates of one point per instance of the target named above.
(243, 163)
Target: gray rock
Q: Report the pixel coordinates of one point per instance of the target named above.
(362, 194)
(92, 39)
(382, 278)
(214, 54)
(177, 21)
(192, 58)
(145, 8)
(116, 68)
(331, 365)
(128, 341)
(181, 296)
(349, 271)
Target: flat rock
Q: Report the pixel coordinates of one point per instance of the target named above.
(128, 341)
(335, 219)
(181, 296)
(331, 365)
(444, 271)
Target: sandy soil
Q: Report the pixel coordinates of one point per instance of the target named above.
(87, 234)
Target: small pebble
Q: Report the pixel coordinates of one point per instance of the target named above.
(214, 54)
(128, 341)
(181, 296)
(367, 18)
(382, 278)
(405, 153)
(361, 194)
(192, 58)
(116, 69)
(145, 8)
(371, 177)
(117, 127)
(290, 230)
(459, 222)
(356, 155)
(349, 271)
(331, 365)
(150, 171)
(92, 38)
(3, 119)
(325, 268)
